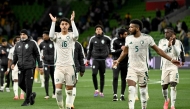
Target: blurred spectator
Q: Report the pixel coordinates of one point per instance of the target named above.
(178, 26)
(158, 13)
(167, 8)
(174, 5)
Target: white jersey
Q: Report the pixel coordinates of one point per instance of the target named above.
(64, 45)
(138, 50)
(172, 51)
(10, 56)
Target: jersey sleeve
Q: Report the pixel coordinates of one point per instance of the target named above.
(151, 41)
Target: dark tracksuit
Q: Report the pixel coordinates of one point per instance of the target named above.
(98, 49)
(116, 50)
(25, 55)
(4, 64)
(79, 58)
(47, 47)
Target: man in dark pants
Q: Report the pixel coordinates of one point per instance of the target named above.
(79, 65)
(47, 50)
(98, 49)
(4, 51)
(117, 46)
(26, 54)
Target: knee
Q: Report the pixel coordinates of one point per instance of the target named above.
(165, 86)
(173, 84)
(58, 91)
(69, 92)
(94, 75)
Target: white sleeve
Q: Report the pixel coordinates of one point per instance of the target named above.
(52, 32)
(75, 31)
(160, 45)
(177, 49)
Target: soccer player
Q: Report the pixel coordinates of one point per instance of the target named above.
(98, 49)
(25, 55)
(117, 46)
(14, 71)
(170, 75)
(47, 51)
(4, 51)
(79, 65)
(136, 46)
(64, 47)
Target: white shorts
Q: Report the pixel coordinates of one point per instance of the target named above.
(15, 73)
(65, 74)
(169, 76)
(136, 76)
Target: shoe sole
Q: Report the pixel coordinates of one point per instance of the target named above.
(32, 98)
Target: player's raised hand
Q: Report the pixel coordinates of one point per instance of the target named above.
(54, 19)
(72, 16)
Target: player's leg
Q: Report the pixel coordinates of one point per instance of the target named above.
(15, 82)
(74, 91)
(95, 66)
(147, 95)
(52, 69)
(143, 89)
(7, 80)
(123, 81)
(115, 82)
(59, 77)
(131, 81)
(46, 76)
(165, 83)
(3, 85)
(174, 80)
(70, 80)
(102, 70)
(42, 79)
(137, 92)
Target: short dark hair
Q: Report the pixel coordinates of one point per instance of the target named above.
(171, 29)
(65, 19)
(46, 32)
(137, 22)
(4, 40)
(122, 31)
(99, 26)
(14, 39)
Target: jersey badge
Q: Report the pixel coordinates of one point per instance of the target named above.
(50, 45)
(44, 46)
(68, 38)
(130, 43)
(142, 42)
(102, 41)
(7, 50)
(120, 44)
(26, 46)
(164, 45)
(95, 42)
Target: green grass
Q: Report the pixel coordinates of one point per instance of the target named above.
(85, 90)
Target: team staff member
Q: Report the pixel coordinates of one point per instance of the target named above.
(25, 55)
(4, 51)
(79, 65)
(98, 49)
(117, 46)
(47, 47)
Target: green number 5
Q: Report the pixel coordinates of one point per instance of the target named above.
(137, 48)
(64, 44)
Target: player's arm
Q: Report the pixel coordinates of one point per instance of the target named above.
(89, 48)
(52, 29)
(113, 48)
(81, 60)
(182, 54)
(75, 31)
(121, 57)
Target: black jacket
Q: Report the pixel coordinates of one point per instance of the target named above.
(4, 57)
(99, 47)
(116, 50)
(48, 52)
(26, 54)
(79, 57)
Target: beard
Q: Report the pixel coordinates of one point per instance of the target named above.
(134, 33)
